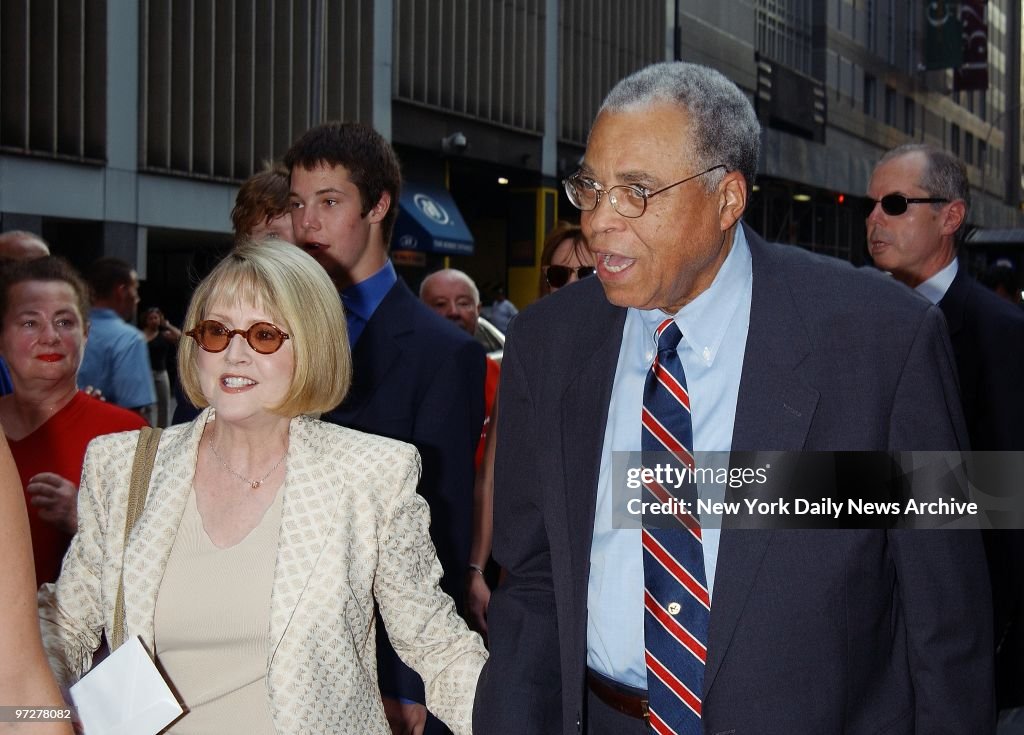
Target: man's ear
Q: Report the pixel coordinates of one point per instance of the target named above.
(380, 209)
(956, 212)
(732, 198)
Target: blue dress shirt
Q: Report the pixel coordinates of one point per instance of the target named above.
(116, 361)
(714, 327)
(362, 299)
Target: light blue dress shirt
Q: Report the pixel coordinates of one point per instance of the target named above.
(362, 299)
(714, 327)
(935, 287)
(116, 361)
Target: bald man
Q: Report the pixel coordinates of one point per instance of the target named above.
(453, 295)
(22, 245)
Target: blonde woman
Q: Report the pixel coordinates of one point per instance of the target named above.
(268, 536)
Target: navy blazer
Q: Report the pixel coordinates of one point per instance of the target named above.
(419, 379)
(988, 341)
(987, 333)
(811, 631)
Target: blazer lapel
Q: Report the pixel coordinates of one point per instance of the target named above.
(774, 410)
(584, 415)
(775, 406)
(307, 516)
(149, 545)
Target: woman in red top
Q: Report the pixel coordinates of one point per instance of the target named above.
(44, 308)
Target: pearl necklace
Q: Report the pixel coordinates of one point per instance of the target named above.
(251, 483)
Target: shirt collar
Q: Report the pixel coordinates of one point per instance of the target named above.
(102, 312)
(363, 298)
(704, 320)
(935, 287)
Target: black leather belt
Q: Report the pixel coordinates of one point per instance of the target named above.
(621, 698)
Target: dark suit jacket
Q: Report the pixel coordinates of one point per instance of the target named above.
(419, 379)
(988, 341)
(811, 631)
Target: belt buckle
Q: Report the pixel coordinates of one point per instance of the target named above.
(646, 710)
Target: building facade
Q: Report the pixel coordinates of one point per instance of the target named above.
(126, 126)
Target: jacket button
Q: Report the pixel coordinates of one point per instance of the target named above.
(579, 723)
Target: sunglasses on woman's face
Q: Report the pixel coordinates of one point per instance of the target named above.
(896, 204)
(213, 336)
(558, 275)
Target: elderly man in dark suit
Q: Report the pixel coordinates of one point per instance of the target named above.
(415, 376)
(770, 631)
(920, 202)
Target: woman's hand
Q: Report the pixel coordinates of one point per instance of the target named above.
(478, 596)
(56, 499)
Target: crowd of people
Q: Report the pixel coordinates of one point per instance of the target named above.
(336, 537)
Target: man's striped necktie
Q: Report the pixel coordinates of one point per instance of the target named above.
(676, 600)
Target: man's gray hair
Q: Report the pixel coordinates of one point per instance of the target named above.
(454, 272)
(945, 176)
(723, 122)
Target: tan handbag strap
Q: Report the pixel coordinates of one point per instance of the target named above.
(138, 489)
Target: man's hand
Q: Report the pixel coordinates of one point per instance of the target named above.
(56, 500)
(94, 392)
(405, 719)
(478, 596)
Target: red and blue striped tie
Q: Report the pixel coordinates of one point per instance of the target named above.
(676, 600)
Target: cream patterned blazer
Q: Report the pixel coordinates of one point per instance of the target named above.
(353, 530)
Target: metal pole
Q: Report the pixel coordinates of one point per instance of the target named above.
(316, 97)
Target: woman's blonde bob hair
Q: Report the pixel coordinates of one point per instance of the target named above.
(295, 291)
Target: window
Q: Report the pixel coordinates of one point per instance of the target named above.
(909, 113)
(890, 106)
(870, 84)
(954, 139)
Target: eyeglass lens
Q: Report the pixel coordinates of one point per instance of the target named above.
(213, 336)
(626, 200)
(896, 204)
(558, 275)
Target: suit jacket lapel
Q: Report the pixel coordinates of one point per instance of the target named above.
(584, 414)
(150, 543)
(307, 515)
(773, 411)
(775, 406)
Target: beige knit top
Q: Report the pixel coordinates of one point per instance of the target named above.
(212, 625)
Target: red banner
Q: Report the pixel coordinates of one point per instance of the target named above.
(973, 71)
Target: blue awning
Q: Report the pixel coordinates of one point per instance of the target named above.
(429, 221)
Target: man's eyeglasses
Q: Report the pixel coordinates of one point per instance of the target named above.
(896, 204)
(559, 275)
(629, 200)
(213, 336)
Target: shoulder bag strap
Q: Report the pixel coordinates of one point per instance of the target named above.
(142, 469)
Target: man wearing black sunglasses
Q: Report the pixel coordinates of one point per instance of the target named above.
(923, 199)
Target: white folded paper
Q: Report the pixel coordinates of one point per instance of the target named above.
(125, 694)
